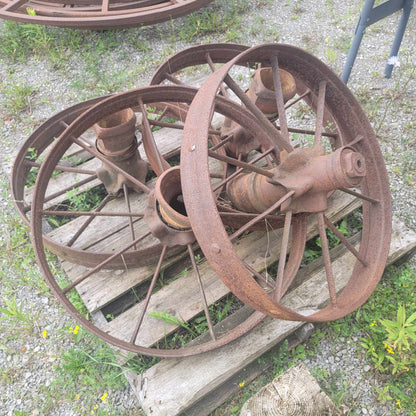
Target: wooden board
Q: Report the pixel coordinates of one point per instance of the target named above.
(174, 385)
(106, 286)
(190, 384)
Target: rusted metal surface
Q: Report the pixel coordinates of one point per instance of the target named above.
(29, 157)
(296, 183)
(116, 140)
(97, 14)
(171, 241)
(246, 180)
(195, 56)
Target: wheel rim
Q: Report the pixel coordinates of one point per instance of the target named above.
(195, 56)
(34, 150)
(97, 14)
(352, 128)
(135, 338)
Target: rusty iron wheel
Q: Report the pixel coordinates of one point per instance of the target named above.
(97, 14)
(320, 142)
(160, 313)
(195, 62)
(33, 152)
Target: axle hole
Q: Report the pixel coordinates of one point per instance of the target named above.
(178, 205)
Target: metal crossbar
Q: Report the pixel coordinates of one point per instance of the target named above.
(370, 15)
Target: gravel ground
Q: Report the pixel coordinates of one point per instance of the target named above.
(28, 360)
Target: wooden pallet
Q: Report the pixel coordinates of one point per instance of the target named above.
(192, 386)
(197, 385)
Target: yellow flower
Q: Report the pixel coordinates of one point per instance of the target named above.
(95, 407)
(374, 323)
(45, 333)
(389, 348)
(74, 330)
(77, 396)
(242, 384)
(104, 397)
(327, 39)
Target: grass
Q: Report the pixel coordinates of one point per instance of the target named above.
(15, 314)
(399, 389)
(58, 48)
(17, 97)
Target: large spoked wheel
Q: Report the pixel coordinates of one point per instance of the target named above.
(34, 151)
(195, 63)
(139, 229)
(325, 144)
(97, 14)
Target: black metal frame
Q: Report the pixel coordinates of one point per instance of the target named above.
(370, 15)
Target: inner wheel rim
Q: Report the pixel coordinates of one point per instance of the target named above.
(118, 336)
(353, 129)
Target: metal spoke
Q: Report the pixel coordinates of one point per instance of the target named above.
(344, 241)
(222, 143)
(103, 263)
(61, 168)
(148, 295)
(177, 126)
(296, 100)
(212, 67)
(104, 6)
(13, 5)
(241, 164)
(149, 136)
(279, 97)
(310, 132)
(175, 80)
(245, 215)
(112, 165)
(320, 114)
(361, 196)
(202, 292)
(239, 170)
(268, 126)
(127, 201)
(282, 259)
(261, 216)
(69, 188)
(86, 140)
(92, 213)
(83, 227)
(260, 276)
(326, 257)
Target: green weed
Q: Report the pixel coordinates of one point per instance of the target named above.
(390, 339)
(16, 97)
(14, 312)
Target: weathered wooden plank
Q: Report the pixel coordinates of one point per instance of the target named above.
(186, 381)
(223, 392)
(106, 286)
(256, 249)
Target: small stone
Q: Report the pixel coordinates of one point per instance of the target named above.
(364, 410)
(367, 368)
